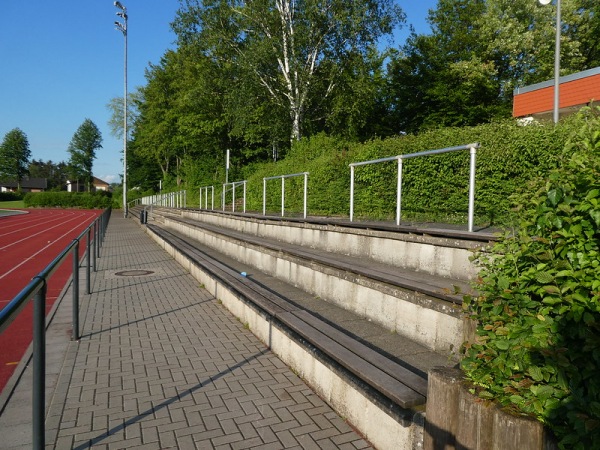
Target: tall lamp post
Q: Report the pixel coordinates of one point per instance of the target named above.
(556, 58)
(122, 27)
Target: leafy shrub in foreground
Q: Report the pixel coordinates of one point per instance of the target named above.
(538, 312)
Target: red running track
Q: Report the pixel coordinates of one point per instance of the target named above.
(28, 243)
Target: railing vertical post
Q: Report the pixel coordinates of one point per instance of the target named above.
(75, 334)
(94, 246)
(282, 196)
(399, 192)
(97, 240)
(351, 193)
(39, 368)
(305, 192)
(200, 199)
(264, 196)
(244, 196)
(88, 289)
(223, 198)
(233, 205)
(473, 152)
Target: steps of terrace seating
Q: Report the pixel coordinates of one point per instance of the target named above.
(423, 307)
(387, 366)
(336, 334)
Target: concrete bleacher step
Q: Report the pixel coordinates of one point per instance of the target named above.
(386, 367)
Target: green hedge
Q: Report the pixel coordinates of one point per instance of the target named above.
(538, 312)
(434, 187)
(63, 199)
(10, 196)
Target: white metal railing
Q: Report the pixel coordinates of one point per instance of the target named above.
(233, 185)
(212, 197)
(283, 177)
(471, 147)
(176, 199)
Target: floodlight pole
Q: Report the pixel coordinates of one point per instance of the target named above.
(556, 59)
(122, 27)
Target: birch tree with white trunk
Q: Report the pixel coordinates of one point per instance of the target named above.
(292, 49)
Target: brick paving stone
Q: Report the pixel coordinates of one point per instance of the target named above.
(162, 364)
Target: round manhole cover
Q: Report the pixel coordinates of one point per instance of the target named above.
(134, 273)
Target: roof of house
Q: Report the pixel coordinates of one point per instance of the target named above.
(575, 90)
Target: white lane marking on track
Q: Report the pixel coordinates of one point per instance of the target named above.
(32, 224)
(41, 232)
(38, 252)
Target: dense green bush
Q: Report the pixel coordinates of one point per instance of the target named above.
(10, 196)
(538, 312)
(63, 199)
(434, 187)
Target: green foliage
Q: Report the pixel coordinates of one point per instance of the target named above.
(538, 309)
(10, 196)
(14, 155)
(86, 200)
(82, 148)
(434, 187)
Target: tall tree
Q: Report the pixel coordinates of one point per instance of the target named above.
(287, 47)
(14, 156)
(82, 148)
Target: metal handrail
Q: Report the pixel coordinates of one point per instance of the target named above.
(36, 289)
(212, 201)
(471, 147)
(283, 177)
(233, 185)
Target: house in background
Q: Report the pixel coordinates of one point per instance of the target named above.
(575, 91)
(81, 186)
(27, 185)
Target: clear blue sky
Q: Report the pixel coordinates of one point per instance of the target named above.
(61, 62)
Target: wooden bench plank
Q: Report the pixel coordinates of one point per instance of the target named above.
(376, 378)
(402, 374)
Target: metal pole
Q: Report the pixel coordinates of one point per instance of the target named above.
(75, 334)
(473, 152)
(351, 193)
(212, 200)
(88, 289)
(94, 245)
(39, 367)
(264, 197)
(557, 63)
(244, 196)
(233, 204)
(282, 196)
(305, 192)
(399, 192)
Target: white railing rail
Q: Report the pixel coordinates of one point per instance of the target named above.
(400, 158)
(232, 187)
(204, 189)
(283, 177)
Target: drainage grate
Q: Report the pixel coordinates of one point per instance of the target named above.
(134, 273)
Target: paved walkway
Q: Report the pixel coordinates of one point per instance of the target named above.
(161, 364)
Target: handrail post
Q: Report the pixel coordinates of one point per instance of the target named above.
(233, 205)
(351, 193)
(94, 245)
(264, 196)
(282, 196)
(88, 289)
(212, 200)
(245, 196)
(97, 240)
(473, 152)
(39, 367)
(305, 191)
(75, 334)
(399, 192)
